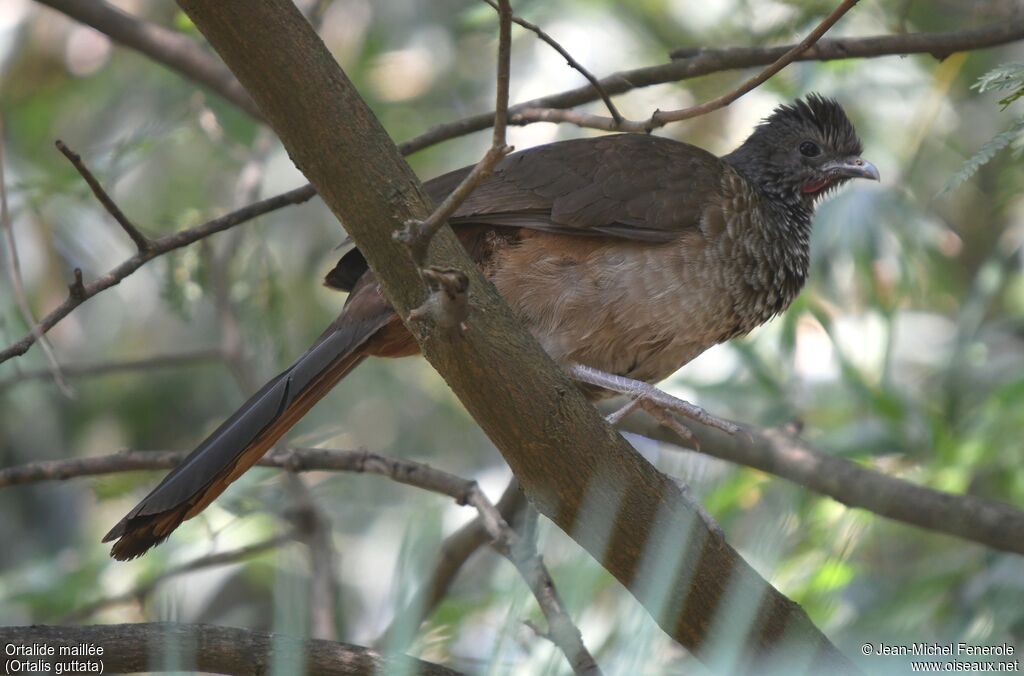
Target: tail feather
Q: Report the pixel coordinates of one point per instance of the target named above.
(243, 438)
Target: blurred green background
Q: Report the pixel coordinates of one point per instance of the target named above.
(905, 352)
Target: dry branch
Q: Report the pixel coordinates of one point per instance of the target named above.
(139, 593)
(662, 117)
(81, 292)
(170, 48)
(699, 62)
(971, 517)
(142, 242)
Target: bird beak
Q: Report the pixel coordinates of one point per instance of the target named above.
(852, 167)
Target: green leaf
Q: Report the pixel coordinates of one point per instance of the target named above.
(1005, 76)
(984, 155)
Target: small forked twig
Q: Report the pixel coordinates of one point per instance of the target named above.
(142, 242)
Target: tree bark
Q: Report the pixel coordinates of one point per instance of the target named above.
(573, 467)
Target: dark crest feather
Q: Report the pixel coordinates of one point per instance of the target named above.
(825, 115)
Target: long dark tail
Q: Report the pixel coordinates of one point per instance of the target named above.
(244, 437)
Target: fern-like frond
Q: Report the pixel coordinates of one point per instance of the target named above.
(984, 155)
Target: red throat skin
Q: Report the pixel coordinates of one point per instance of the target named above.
(817, 185)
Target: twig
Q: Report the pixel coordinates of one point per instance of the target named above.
(564, 633)
(455, 551)
(464, 491)
(166, 646)
(520, 551)
(80, 292)
(573, 63)
(971, 517)
(182, 55)
(313, 527)
(662, 117)
(104, 368)
(448, 302)
(707, 61)
(139, 593)
(17, 285)
(170, 48)
(141, 241)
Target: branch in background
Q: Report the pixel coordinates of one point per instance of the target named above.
(562, 632)
(661, 118)
(314, 459)
(455, 551)
(693, 63)
(141, 592)
(417, 234)
(168, 47)
(165, 646)
(182, 55)
(142, 242)
(973, 518)
(81, 292)
(17, 285)
(523, 555)
(172, 360)
(572, 63)
(313, 528)
(977, 519)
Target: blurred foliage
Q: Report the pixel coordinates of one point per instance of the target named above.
(1009, 76)
(905, 352)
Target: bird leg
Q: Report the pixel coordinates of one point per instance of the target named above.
(658, 403)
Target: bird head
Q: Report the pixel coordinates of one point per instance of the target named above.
(803, 151)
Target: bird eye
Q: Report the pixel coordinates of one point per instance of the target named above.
(809, 149)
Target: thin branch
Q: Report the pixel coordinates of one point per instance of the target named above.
(313, 528)
(166, 646)
(417, 234)
(970, 517)
(448, 301)
(172, 360)
(81, 292)
(170, 48)
(573, 63)
(521, 552)
(141, 241)
(17, 285)
(691, 63)
(662, 117)
(455, 551)
(141, 592)
(182, 55)
(408, 472)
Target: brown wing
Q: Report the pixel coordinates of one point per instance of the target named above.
(630, 186)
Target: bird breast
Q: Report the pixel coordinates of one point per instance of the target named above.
(643, 310)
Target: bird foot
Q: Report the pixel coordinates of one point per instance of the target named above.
(448, 302)
(651, 399)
